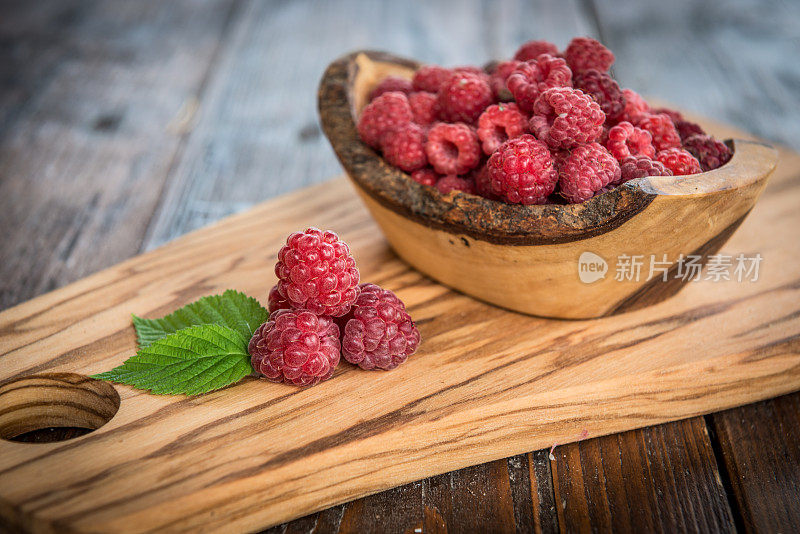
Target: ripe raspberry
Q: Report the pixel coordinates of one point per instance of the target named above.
(686, 129)
(663, 131)
(564, 118)
(453, 148)
(533, 77)
(429, 78)
(378, 332)
(584, 53)
(463, 97)
(316, 272)
(498, 124)
(483, 183)
(277, 301)
(404, 147)
(635, 107)
(521, 171)
(423, 107)
(533, 49)
(587, 170)
(451, 182)
(641, 166)
(295, 347)
(625, 140)
(497, 80)
(679, 161)
(674, 115)
(708, 151)
(391, 83)
(604, 90)
(425, 176)
(383, 114)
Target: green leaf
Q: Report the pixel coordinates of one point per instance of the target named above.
(191, 361)
(232, 309)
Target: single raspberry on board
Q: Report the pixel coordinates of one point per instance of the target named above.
(391, 83)
(429, 78)
(453, 148)
(378, 331)
(625, 140)
(451, 182)
(463, 97)
(605, 91)
(498, 78)
(533, 77)
(533, 49)
(641, 166)
(679, 161)
(404, 147)
(277, 301)
(686, 129)
(521, 171)
(663, 131)
(708, 151)
(383, 114)
(565, 118)
(587, 170)
(426, 176)
(584, 53)
(636, 108)
(317, 273)
(498, 124)
(295, 347)
(423, 107)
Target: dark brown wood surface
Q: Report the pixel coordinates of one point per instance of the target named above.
(126, 124)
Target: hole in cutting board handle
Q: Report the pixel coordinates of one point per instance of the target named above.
(54, 407)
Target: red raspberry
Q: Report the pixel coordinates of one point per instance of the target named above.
(625, 140)
(635, 107)
(277, 301)
(423, 107)
(533, 49)
(584, 53)
(383, 114)
(391, 83)
(708, 151)
(564, 118)
(686, 129)
(641, 166)
(453, 148)
(483, 183)
(498, 79)
(587, 170)
(663, 131)
(498, 124)
(425, 176)
(679, 161)
(451, 182)
(378, 332)
(674, 115)
(404, 147)
(429, 78)
(533, 77)
(316, 272)
(295, 347)
(521, 171)
(463, 97)
(604, 90)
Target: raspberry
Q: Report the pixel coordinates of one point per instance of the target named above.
(378, 332)
(423, 107)
(635, 107)
(674, 115)
(708, 151)
(277, 301)
(453, 148)
(641, 166)
(391, 83)
(404, 147)
(533, 77)
(498, 124)
(604, 90)
(429, 78)
(663, 131)
(316, 272)
(425, 176)
(463, 97)
(533, 49)
(498, 79)
(626, 140)
(483, 183)
(584, 53)
(686, 129)
(587, 170)
(295, 347)
(451, 182)
(383, 114)
(521, 171)
(564, 118)
(679, 161)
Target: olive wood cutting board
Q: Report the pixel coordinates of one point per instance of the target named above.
(485, 384)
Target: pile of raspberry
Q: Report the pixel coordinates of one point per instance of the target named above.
(544, 127)
(318, 312)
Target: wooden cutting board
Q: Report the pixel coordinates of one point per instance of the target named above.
(485, 384)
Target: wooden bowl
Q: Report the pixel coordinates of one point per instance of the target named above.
(539, 260)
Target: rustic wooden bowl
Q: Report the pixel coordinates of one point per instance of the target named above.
(527, 258)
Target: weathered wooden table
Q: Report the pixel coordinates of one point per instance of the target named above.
(123, 125)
